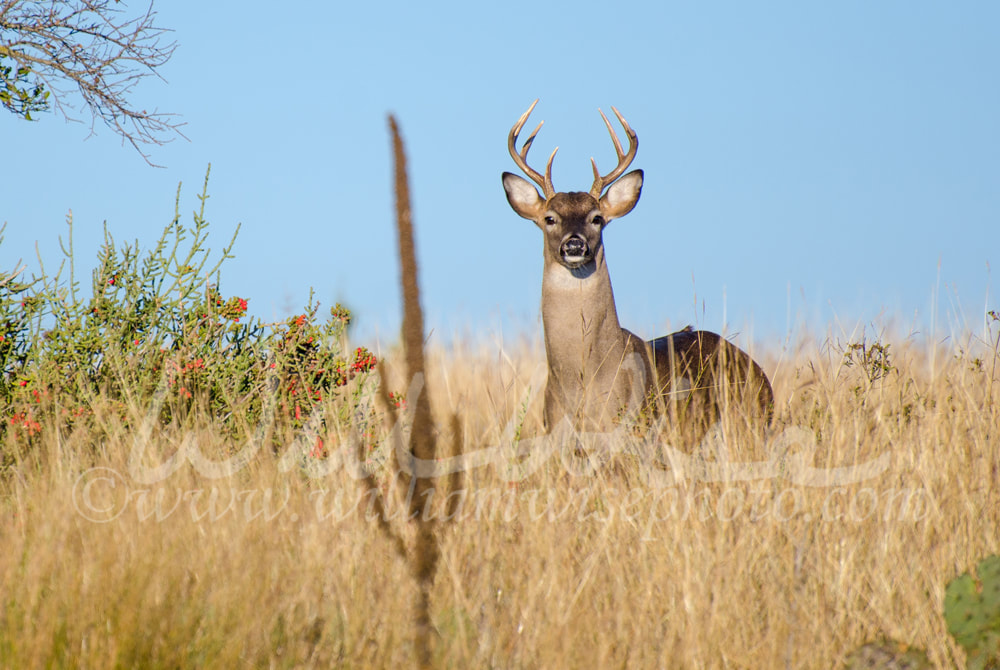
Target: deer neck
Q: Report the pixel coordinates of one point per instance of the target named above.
(582, 332)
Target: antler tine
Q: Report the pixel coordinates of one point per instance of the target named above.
(624, 159)
(521, 158)
(611, 130)
(527, 142)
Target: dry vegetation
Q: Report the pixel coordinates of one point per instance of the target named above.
(166, 548)
(272, 568)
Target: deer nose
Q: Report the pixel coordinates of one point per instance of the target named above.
(574, 247)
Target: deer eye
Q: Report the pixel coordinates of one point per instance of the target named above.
(550, 220)
(598, 220)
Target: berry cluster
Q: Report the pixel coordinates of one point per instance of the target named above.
(397, 399)
(234, 308)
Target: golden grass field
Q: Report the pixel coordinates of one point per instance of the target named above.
(632, 565)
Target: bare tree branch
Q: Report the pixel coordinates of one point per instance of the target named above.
(89, 46)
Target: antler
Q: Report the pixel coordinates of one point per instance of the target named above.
(522, 159)
(624, 159)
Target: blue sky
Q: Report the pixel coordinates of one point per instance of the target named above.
(807, 165)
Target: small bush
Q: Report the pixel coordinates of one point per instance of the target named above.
(154, 332)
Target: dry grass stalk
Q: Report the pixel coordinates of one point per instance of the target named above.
(423, 444)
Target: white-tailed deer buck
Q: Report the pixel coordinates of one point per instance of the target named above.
(597, 369)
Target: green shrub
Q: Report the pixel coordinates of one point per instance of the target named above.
(154, 332)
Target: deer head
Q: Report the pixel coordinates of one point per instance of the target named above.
(573, 222)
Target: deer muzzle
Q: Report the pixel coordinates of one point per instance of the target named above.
(574, 251)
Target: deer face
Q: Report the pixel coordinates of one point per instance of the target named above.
(573, 223)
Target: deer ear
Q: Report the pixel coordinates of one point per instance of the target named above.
(522, 196)
(622, 196)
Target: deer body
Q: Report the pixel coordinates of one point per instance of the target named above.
(596, 369)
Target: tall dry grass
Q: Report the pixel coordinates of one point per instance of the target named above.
(624, 567)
